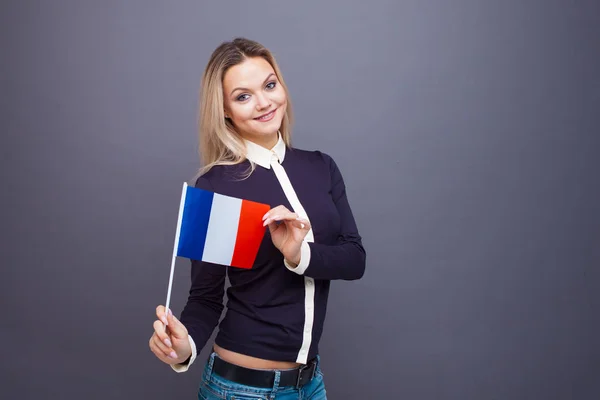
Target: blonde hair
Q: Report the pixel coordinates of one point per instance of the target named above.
(219, 143)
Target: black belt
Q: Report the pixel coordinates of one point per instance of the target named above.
(297, 377)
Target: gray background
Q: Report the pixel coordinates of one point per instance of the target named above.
(467, 135)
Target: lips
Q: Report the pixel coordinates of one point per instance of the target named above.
(266, 117)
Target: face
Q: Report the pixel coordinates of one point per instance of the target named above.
(255, 102)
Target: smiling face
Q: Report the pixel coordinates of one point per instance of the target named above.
(255, 101)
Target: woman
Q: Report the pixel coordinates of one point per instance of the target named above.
(267, 345)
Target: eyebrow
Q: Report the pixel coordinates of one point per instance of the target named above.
(268, 77)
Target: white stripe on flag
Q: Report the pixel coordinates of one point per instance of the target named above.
(222, 229)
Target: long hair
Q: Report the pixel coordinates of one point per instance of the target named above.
(219, 143)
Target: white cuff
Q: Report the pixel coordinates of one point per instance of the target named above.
(185, 367)
(304, 259)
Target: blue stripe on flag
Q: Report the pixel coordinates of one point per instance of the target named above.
(194, 223)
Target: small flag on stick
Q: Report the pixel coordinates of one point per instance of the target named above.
(218, 229)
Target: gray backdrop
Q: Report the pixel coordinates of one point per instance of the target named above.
(467, 135)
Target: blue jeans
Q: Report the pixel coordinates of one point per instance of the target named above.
(214, 387)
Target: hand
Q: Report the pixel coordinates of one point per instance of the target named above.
(169, 343)
(287, 231)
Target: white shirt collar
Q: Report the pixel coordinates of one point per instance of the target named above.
(261, 156)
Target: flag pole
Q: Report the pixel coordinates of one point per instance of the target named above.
(175, 246)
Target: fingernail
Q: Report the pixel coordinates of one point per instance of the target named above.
(173, 355)
(170, 312)
(168, 343)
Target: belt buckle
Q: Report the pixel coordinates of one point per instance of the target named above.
(311, 367)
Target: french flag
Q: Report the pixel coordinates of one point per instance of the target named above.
(219, 229)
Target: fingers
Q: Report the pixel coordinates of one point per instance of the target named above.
(301, 223)
(281, 213)
(160, 314)
(278, 213)
(157, 352)
(273, 227)
(160, 349)
(159, 331)
(165, 339)
(275, 210)
(177, 329)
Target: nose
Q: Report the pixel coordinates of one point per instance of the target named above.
(262, 101)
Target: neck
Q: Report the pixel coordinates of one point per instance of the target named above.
(266, 141)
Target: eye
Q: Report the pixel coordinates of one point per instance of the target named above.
(242, 97)
(271, 85)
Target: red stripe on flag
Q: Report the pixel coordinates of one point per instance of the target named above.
(250, 234)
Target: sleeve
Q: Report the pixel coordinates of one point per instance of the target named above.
(346, 258)
(204, 305)
(184, 366)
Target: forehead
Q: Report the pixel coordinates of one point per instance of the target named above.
(251, 72)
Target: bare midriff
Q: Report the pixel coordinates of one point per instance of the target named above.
(252, 362)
